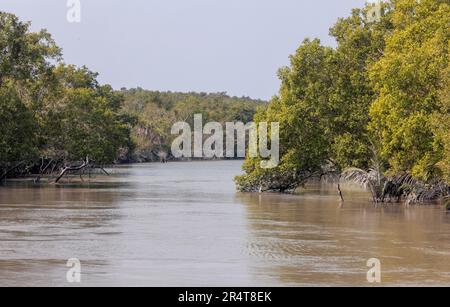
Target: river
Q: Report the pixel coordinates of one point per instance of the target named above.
(183, 224)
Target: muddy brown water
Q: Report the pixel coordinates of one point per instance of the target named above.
(183, 224)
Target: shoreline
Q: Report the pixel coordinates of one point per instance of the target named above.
(311, 188)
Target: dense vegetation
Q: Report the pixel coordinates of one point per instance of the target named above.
(156, 112)
(51, 112)
(374, 109)
(57, 118)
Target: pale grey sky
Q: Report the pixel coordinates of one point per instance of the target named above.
(235, 46)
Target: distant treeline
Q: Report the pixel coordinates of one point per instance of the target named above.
(156, 112)
(375, 109)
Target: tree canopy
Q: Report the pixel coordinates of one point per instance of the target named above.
(50, 110)
(379, 98)
(408, 80)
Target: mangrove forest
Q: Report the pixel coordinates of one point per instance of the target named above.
(374, 110)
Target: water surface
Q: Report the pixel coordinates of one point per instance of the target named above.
(183, 224)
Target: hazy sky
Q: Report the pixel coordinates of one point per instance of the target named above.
(235, 46)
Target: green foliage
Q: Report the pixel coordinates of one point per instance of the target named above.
(24, 55)
(441, 124)
(408, 79)
(84, 120)
(17, 129)
(360, 43)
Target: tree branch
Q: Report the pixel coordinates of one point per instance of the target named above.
(72, 169)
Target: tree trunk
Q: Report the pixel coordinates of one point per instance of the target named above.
(42, 171)
(340, 192)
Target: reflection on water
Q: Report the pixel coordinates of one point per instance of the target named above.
(182, 224)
